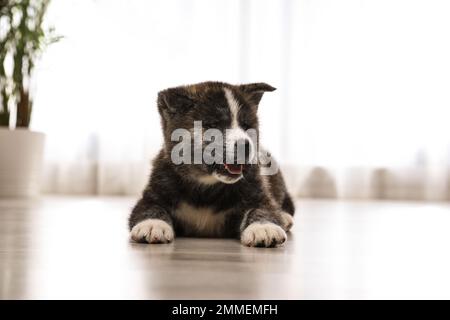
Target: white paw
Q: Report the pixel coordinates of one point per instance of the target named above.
(152, 231)
(288, 221)
(265, 234)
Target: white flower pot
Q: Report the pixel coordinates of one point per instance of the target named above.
(21, 155)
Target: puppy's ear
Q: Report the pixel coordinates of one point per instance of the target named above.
(174, 100)
(255, 91)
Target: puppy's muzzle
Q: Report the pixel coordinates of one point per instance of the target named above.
(240, 152)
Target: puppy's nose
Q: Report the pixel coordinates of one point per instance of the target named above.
(242, 151)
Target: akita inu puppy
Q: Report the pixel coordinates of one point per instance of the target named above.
(227, 193)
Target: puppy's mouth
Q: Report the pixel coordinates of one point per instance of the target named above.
(229, 173)
(234, 169)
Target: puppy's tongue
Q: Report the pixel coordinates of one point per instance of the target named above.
(234, 168)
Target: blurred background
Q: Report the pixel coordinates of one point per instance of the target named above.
(361, 110)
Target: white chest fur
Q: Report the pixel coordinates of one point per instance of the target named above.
(200, 221)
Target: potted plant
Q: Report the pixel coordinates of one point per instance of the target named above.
(22, 40)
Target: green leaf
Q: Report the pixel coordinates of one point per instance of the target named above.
(24, 40)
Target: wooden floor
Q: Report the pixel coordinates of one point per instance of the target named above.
(62, 248)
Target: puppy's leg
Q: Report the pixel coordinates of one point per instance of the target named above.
(262, 228)
(281, 195)
(150, 223)
(288, 221)
(288, 212)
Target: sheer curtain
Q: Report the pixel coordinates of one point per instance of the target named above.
(361, 109)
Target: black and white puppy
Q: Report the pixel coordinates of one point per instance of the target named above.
(228, 199)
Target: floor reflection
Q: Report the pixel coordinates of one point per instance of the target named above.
(78, 248)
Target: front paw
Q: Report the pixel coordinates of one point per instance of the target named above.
(288, 221)
(263, 234)
(152, 231)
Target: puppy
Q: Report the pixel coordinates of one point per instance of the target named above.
(217, 195)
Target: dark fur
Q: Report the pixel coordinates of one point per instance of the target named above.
(170, 184)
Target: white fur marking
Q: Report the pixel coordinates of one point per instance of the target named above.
(236, 133)
(234, 107)
(152, 231)
(200, 221)
(263, 234)
(226, 179)
(207, 179)
(216, 178)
